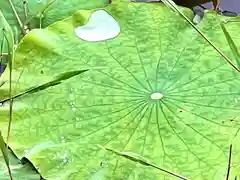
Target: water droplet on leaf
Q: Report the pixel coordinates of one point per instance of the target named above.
(101, 26)
(156, 96)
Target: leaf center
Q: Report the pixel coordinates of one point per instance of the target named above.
(156, 96)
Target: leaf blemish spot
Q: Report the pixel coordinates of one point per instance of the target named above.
(156, 96)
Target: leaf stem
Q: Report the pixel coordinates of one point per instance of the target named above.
(2, 43)
(10, 173)
(175, 8)
(10, 89)
(141, 161)
(6, 162)
(229, 162)
(213, 45)
(25, 7)
(16, 14)
(5, 153)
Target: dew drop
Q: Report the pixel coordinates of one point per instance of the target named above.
(156, 96)
(62, 139)
(71, 95)
(236, 100)
(42, 1)
(72, 104)
(65, 157)
(101, 26)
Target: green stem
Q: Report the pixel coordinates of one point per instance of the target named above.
(5, 152)
(10, 173)
(16, 14)
(229, 162)
(11, 56)
(40, 22)
(172, 5)
(25, 7)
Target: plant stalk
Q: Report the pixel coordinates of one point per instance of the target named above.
(16, 14)
(5, 152)
(11, 55)
(25, 7)
(172, 5)
(10, 172)
(229, 162)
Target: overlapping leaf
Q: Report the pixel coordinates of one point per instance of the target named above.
(57, 11)
(19, 171)
(187, 131)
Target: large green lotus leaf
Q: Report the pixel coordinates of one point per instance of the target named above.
(19, 171)
(158, 90)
